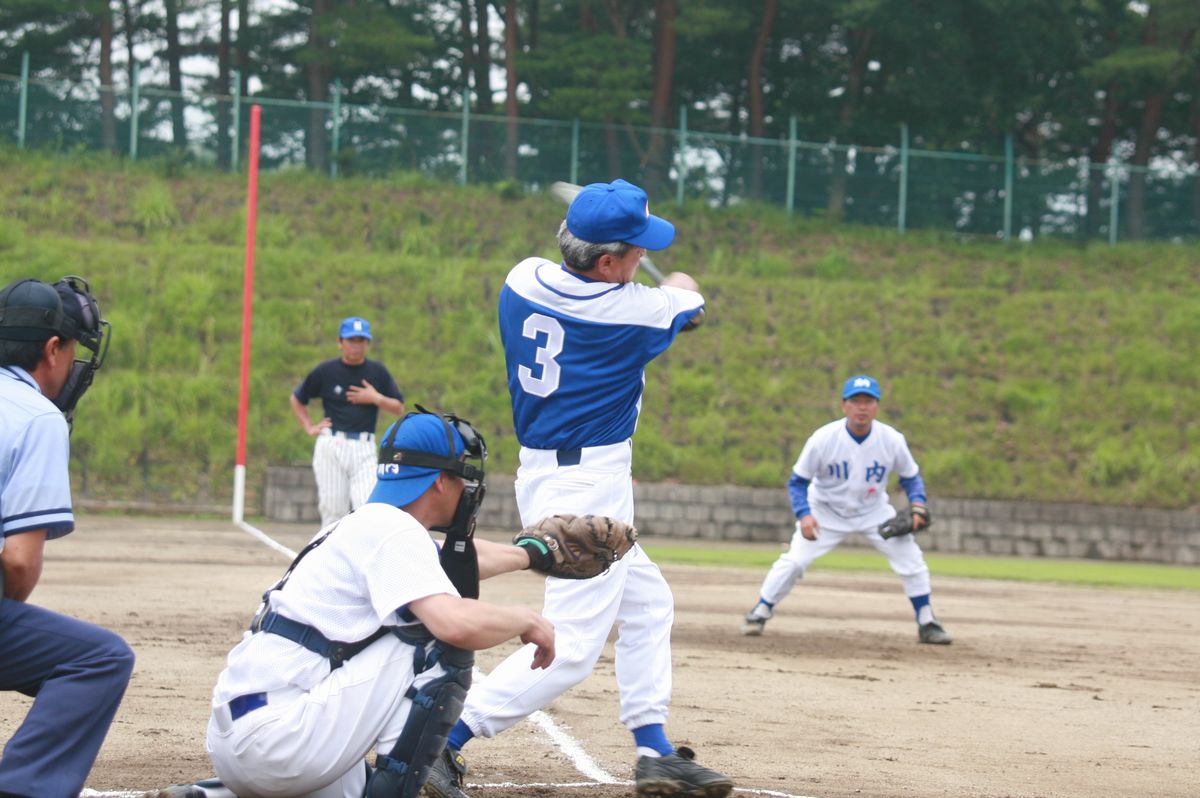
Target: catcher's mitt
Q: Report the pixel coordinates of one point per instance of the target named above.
(902, 523)
(575, 546)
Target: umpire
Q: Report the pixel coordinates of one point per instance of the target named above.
(77, 672)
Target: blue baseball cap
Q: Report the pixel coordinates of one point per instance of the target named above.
(618, 211)
(355, 327)
(861, 384)
(400, 485)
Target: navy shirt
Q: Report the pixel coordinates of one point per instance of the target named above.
(331, 380)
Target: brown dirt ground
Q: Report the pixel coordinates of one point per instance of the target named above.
(1047, 691)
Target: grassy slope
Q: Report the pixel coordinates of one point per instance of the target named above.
(1044, 372)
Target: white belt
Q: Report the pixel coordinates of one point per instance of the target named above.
(614, 455)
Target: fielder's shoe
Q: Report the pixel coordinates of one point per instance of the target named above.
(677, 775)
(446, 776)
(933, 632)
(756, 619)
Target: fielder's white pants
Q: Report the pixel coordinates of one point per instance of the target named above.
(311, 744)
(345, 472)
(903, 553)
(633, 595)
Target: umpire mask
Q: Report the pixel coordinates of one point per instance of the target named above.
(31, 310)
(94, 335)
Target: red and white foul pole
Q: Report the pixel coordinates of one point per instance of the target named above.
(239, 469)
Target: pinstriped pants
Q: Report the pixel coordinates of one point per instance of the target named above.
(345, 473)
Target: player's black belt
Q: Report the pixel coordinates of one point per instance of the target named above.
(354, 436)
(569, 457)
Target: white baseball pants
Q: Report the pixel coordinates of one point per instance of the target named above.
(633, 595)
(345, 472)
(903, 553)
(312, 744)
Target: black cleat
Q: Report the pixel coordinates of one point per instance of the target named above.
(446, 776)
(933, 632)
(677, 775)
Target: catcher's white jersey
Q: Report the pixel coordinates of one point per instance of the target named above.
(849, 479)
(377, 561)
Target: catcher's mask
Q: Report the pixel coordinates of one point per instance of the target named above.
(30, 310)
(466, 457)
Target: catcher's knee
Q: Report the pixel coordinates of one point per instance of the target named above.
(401, 772)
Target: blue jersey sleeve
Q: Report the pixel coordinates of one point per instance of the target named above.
(798, 490)
(914, 488)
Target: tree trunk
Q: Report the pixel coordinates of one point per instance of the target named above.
(756, 95)
(511, 47)
(1099, 154)
(108, 119)
(243, 50)
(316, 143)
(1147, 132)
(860, 41)
(175, 73)
(130, 29)
(657, 154)
(468, 42)
(483, 59)
(223, 160)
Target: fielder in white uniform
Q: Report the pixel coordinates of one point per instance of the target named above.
(352, 390)
(838, 487)
(294, 712)
(577, 337)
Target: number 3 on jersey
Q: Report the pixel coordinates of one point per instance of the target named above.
(544, 355)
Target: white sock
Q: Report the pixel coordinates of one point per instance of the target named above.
(925, 615)
(644, 751)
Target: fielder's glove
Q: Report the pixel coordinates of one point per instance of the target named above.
(575, 546)
(902, 523)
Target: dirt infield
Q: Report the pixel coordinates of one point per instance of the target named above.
(1047, 691)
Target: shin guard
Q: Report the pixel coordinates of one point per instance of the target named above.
(435, 709)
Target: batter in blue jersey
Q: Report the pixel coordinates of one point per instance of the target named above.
(577, 337)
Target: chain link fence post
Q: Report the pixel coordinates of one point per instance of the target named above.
(902, 211)
(134, 107)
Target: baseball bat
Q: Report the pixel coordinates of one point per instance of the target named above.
(567, 191)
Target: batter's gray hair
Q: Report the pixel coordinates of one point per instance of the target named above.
(582, 255)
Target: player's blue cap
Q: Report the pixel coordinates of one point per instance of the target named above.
(617, 211)
(355, 327)
(861, 384)
(400, 485)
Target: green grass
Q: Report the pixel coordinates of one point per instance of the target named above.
(1046, 372)
(1070, 572)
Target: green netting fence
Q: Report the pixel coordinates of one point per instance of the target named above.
(893, 186)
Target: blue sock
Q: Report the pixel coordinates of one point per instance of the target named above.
(460, 735)
(653, 737)
(919, 603)
(770, 604)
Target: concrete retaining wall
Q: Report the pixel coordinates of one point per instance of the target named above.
(969, 526)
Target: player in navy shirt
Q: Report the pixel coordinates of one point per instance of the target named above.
(352, 390)
(577, 337)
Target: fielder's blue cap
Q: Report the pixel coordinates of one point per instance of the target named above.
(861, 384)
(400, 485)
(618, 211)
(355, 327)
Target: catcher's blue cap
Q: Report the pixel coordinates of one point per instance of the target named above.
(618, 211)
(400, 485)
(861, 384)
(355, 327)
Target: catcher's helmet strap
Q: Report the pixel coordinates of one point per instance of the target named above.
(420, 459)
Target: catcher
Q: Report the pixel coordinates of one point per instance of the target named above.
(366, 643)
(838, 488)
